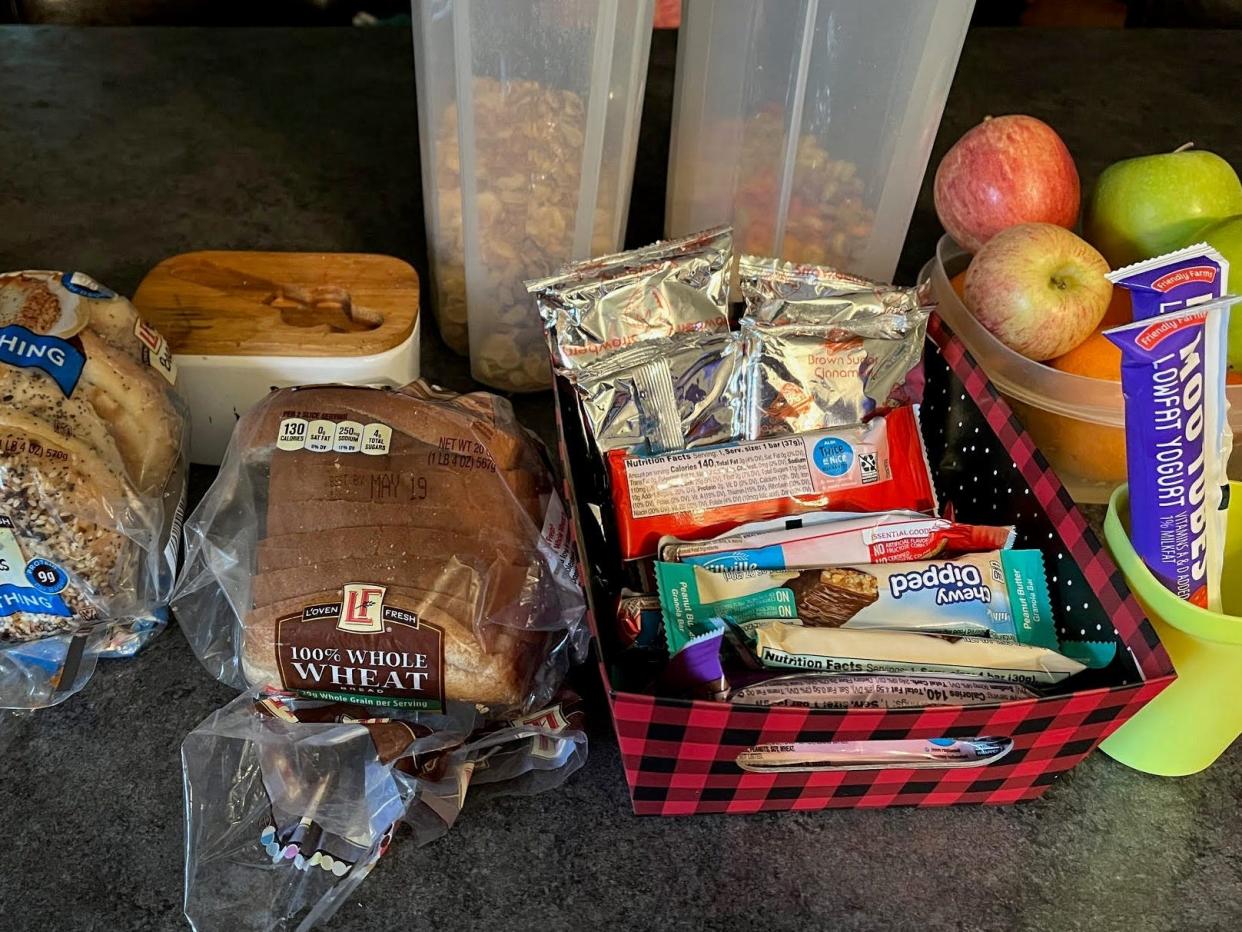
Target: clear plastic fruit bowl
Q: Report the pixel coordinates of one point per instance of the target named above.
(1078, 422)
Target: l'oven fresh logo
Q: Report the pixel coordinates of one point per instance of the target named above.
(29, 350)
(952, 582)
(362, 609)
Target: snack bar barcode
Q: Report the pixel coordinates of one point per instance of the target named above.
(324, 436)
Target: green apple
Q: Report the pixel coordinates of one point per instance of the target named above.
(1225, 237)
(1152, 204)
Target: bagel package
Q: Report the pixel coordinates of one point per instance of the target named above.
(390, 576)
(93, 440)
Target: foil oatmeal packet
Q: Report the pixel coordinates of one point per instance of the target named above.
(596, 307)
(778, 293)
(824, 349)
(667, 394)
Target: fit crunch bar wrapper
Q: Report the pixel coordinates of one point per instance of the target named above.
(1177, 445)
(830, 539)
(1175, 281)
(873, 467)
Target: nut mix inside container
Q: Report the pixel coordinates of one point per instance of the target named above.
(92, 474)
(526, 184)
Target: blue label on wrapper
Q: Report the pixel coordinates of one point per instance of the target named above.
(834, 456)
(14, 599)
(757, 558)
(28, 350)
(46, 576)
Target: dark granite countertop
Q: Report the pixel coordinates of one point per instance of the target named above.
(122, 147)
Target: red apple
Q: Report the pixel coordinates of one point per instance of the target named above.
(1038, 288)
(1005, 171)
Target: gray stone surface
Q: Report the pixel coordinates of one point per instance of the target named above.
(122, 147)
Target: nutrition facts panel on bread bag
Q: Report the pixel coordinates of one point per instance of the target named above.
(729, 476)
(321, 435)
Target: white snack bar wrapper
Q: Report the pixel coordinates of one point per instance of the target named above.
(869, 691)
(834, 650)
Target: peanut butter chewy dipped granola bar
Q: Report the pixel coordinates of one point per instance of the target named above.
(92, 480)
(389, 576)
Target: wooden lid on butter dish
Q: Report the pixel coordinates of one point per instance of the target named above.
(280, 303)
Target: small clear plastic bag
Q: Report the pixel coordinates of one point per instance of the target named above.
(290, 802)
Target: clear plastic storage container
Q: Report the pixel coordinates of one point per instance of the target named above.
(528, 121)
(808, 123)
(1077, 422)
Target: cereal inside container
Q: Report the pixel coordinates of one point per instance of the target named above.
(528, 113)
(807, 125)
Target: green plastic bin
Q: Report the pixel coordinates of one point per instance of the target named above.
(1195, 719)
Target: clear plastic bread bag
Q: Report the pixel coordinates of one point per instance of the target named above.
(93, 454)
(394, 557)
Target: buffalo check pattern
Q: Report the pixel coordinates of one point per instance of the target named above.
(680, 756)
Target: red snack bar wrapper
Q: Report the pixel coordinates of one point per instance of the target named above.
(878, 466)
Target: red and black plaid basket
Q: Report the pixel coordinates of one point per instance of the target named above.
(680, 755)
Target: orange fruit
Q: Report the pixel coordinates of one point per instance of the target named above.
(1119, 309)
(958, 282)
(1096, 357)
(1082, 449)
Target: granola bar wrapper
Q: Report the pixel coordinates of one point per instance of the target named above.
(596, 307)
(783, 646)
(829, 539)
(1001, 595)
(1178, 442)
(877, 691)
(700, 493)
(665, 394)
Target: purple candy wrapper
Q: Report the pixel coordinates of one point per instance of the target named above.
(696, 670)
(1175, 281)
(1177, 445)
